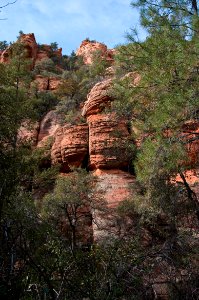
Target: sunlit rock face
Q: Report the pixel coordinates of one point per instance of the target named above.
(30, 45)
(114, 185)
(32, 50)
(45, 51)
(70, 148)
(98, 98)
(88, 48)
(5, 55)
(108, 134)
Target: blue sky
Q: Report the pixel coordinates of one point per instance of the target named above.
(68, 22)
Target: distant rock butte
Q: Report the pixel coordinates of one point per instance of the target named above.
(33, 50)
(88, 48)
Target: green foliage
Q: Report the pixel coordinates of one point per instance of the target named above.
(54, 46)
(78, 79)
(46, 67)
(3, 45)
(99, 64)
(166, 95)
(49, 243)
(42, 102)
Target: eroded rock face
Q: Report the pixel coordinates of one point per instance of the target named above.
(108, 142)
(71, 146)
(88, 48)
(29, 42)
(30, 46)
(5, 55)
(114, 187)
(32, 50)
(54, 83)
(98, 98)
(48, 126)
(46, 83)
(40, 82)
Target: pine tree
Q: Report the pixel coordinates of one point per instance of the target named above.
(166, 96)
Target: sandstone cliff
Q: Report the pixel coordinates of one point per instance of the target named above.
(88, 48)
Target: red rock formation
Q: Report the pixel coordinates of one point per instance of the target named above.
(48, 126)
(88, 48)
(30, 45)
(45, 51)
(46, 83)
(114, 187)
(5, 55)
(32, 50)
(97, 99)
(108, 135)
(71, 145)
(40, 82)
(191, 135)
(108, 142)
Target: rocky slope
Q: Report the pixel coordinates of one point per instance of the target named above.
(100, 143)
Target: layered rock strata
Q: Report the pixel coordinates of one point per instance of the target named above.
(70, 148)
(108, 142)
(98, 98)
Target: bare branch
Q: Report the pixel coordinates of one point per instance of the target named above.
(7, 4)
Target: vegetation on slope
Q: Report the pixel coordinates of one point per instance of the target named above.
(41, 260)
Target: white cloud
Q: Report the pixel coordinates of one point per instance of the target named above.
(69, 21)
